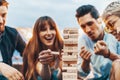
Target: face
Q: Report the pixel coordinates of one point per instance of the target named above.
(90, 26)
(47, 35)
(3, 13)
(113, 26)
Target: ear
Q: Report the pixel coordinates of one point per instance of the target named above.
(99, 20)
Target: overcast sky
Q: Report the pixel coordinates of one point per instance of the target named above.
(23, 13)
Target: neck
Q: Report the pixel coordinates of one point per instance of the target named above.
(100, 37)
(48, 47)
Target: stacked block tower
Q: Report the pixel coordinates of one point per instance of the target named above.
(70, 49)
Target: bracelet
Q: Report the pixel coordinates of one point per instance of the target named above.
(108, 55)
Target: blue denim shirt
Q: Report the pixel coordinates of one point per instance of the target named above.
(100, 66)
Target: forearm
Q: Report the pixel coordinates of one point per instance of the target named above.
(113, 56)
(44, 71)
(0, 67)
(85, 66)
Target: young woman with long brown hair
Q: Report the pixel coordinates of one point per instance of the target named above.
(39, 61)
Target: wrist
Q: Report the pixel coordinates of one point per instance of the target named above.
(108, 54)
(1, 67)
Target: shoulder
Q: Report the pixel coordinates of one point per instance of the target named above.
(109, 37)
(84, 38)
(10, 29)
(11, 33)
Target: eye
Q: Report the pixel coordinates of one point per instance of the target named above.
(43, 28)
(83, 26)
(52, 28)
(90, 23)
(110, 24)
(4, 15)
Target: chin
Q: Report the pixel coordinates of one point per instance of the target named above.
(49, 44)
(118, 39)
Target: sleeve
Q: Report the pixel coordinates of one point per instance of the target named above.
(118, 47)
(112, 44)
(81, 43)
(20, 45)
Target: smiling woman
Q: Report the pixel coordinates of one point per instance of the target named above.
(39, 61)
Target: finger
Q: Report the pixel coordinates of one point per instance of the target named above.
(83, 54)
(88, 56)
(45, 52)
(13, 77)
(98, 46)
(46, 62)
(49, 51)
(82, 51)
(20, 76)
(46, 59)
(44, 56)
(96, 49)
(83, 47)
(102, 43)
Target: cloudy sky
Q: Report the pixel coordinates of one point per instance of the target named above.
(23, 13)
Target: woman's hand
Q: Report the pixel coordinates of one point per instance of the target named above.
(45, 56)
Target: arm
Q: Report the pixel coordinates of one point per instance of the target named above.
(44, 71)
(102, 49)
(83, 63)
(20, 44)
(43, 65)
(85, 55)
(112, 56)
(10, 72)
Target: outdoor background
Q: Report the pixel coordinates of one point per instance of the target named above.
(22, 14)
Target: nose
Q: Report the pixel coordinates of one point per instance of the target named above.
(48, 32)
(1, 20)
(87, 29)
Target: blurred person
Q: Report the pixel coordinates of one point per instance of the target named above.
(97, 47)
(40, 62)
(10, 40)
(111, 17)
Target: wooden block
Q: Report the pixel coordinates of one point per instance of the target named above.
(69, 76)
(70, 41)
(55, 53)
(69, 69)
(69, 58)
(70, 36)
(69, 64)
(70, 53)
(71, 31)
(70, 49)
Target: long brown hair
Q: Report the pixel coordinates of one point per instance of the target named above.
(34, 46)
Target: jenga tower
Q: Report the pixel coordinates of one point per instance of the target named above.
(69, 65)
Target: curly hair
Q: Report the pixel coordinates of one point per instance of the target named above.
(112, 9)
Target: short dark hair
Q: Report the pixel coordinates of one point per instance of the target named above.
(85, 9)
(4, 3)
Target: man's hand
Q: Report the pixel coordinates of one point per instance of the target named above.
(10, 73)
(100, 48)
(46, 56)
(85, 54)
